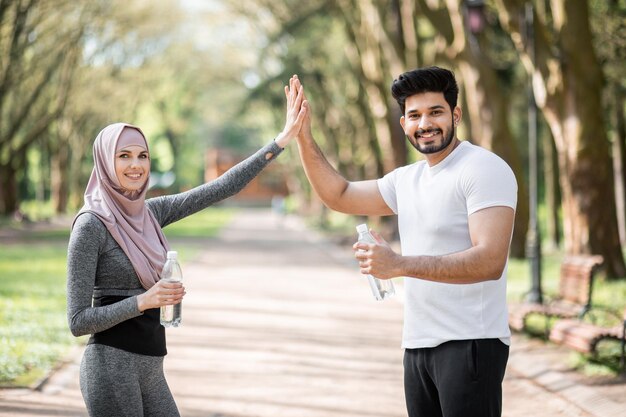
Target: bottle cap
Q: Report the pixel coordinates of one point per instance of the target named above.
(172, 254)
(362, 228)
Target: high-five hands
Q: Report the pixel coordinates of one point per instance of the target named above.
(297, 109)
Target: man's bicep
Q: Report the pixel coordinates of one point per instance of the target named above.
(491, 229)
(364, 198)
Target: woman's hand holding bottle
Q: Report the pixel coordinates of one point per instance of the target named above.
(162, 293)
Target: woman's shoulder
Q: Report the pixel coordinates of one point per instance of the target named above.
(88, 223)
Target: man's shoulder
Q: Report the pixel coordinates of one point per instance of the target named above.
(403, 173)
(485, 168)
(482, 157)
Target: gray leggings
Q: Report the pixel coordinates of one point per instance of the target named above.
(116, 383)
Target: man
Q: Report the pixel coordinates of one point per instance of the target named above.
(455, 217)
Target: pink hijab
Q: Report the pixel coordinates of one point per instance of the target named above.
(125, 214)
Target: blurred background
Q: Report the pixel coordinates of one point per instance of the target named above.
(204, 80)
(542, 85)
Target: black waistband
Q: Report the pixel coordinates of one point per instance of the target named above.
(142, 334)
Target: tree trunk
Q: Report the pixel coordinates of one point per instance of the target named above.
(488, 109)
(59, 178)
(619, 158)
(77, 156)
(552, 195)
(584, 156)
(567, 81)
(487, 104)
(8, 187)
(375, 53)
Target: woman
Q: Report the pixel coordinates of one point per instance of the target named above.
(116, 252)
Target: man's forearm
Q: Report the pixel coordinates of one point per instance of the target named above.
(467, 267)
(337, 193)
(325, 180)
(490, 230)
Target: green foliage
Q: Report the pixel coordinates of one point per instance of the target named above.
(519, 277)
(606, 293)
(37, 210)
(610, 293)
(335, 224)
(236, 137)
(608, 24)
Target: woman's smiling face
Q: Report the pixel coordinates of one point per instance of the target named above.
(132, 161)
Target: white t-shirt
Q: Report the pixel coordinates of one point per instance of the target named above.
(433, 205)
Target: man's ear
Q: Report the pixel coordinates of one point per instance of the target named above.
(402, 122)
(456, 115)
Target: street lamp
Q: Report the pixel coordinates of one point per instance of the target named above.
(533, 237)
(475, 15)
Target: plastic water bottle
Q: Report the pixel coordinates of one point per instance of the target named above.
(171, 314)
(381, 288)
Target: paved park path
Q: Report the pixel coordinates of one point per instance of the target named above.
(277, 322)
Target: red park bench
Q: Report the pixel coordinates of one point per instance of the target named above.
(574, 295)
(584, 337)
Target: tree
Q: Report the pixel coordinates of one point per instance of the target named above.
(608, 26)
(568, 83)
(38, 53)
(112, 81)
(373, 32)
(487, 85)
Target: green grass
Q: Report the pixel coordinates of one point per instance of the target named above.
(37, 210)
(33, 328)
(606, 293)
(201, 225)
(186, 236)
(519, 276)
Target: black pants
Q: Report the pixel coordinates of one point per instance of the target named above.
(456, 379)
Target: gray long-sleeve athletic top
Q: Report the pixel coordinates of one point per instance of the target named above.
(102, 285)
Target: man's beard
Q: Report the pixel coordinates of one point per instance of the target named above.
(434, 148)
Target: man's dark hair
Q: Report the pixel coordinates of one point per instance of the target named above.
(425, 80)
